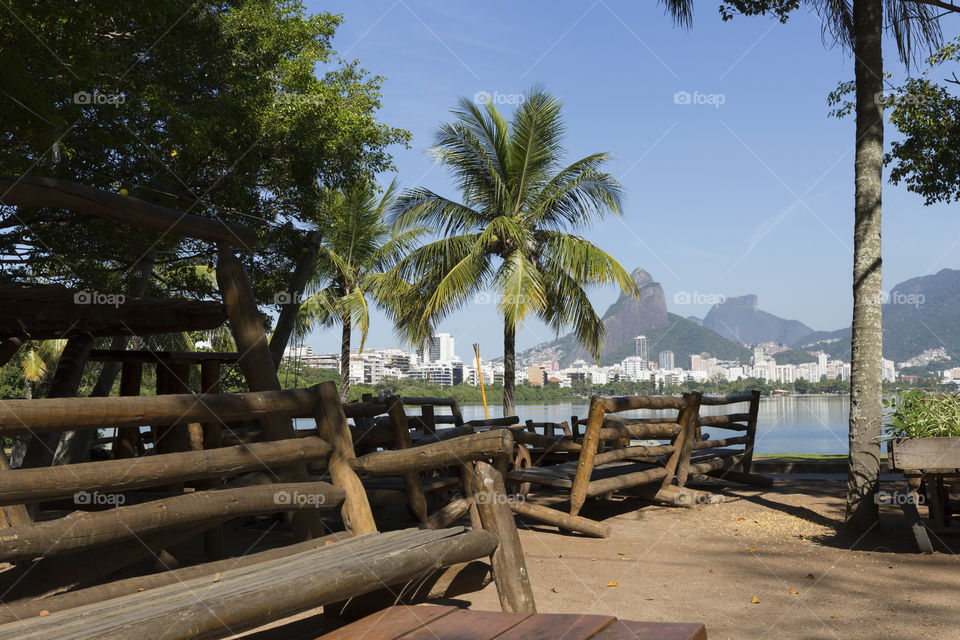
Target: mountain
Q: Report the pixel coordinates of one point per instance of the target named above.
(739, 319)
(919, 314)
(627, 318)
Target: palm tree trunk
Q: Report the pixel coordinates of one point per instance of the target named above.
(867, 341)
(509, 369)
(345, 359)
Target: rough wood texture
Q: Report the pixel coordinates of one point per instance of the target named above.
(585, 464)
(747, 462)
(559, 519)
(61, 414)
(680, 462)
(170, 357)
(249, 596)
(36, 191)
(411, 479)
(479, 446)
(449, 514)
(128, 442)
(928, 454)
(332, 427)
(81, 530)
(733, 398)
(100, 593)
(111, 476)
(50, 312)
(617, 404)
(635, 451)
(626, 480)
(509, 566)
(733, 421)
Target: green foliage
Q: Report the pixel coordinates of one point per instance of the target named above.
(241, 111)
(511, 232)
(917, 414)
(794, 356)
(779, 9)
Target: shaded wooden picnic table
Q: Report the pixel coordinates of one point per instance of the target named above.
(432, 622)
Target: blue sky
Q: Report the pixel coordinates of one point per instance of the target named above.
(754, 195)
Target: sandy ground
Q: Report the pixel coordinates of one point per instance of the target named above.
(762, 564)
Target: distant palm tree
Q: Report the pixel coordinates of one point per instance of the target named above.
(358, 244)
(511, 230)
(859, 26)
(36, 360)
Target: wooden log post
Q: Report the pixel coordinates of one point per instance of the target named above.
(212, 439)
(509, 566)
(128, 443)
(40, 449)
(332, 427)
(747, 462)
(15, 515)
(178, 437)
(447, 515)
(257, 365)
(588, 451)
(457, 414)
(561, 520)
(411, 479)
(428, 418)
(486, 445)
(679, 462)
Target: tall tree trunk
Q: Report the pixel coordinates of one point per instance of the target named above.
(298, 283)
(509, 369)
(345, 359)
(867, 341)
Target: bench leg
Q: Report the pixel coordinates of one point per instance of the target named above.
(509, 566)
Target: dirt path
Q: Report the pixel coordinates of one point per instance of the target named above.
(777, 546)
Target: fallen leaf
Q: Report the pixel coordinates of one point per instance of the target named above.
(554, 589)
(648, 598)
(793, 592)
(891, 566)
(810, 576)
(328, 543)
(593, 559)
(741, 519)
(755, 600)
(44, 613)
(710, 570)
(613, 583)
(140, 589)
(624, 558)
(216, 577)
(834, 617)
(752, 549)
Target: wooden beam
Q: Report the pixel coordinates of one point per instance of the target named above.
(411, 479)
(616, 404)
(564, 521)
(114, 476)
(173, 357)
(35, 191)
(585, 463)
(485, 445)
(61, 414)
(332, 427)
(83, 530)
(509, 566)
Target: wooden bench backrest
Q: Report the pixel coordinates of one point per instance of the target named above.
(740, 415)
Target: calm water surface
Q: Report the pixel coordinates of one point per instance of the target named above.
(795, 424)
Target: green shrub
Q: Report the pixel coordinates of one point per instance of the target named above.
(917, 414)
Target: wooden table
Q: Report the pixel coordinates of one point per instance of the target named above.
(450, 623)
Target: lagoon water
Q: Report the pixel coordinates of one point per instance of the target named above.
(787, 424)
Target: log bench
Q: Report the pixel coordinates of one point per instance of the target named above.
(84, 547)
(728, 456)
(607, 461)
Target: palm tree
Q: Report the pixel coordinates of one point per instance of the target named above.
(511, 230)
(859, 26)
(36, 360)
(358, 244)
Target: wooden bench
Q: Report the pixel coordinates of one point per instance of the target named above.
(606, 459)
(224, 597)
(449, 623)
(729, 456)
